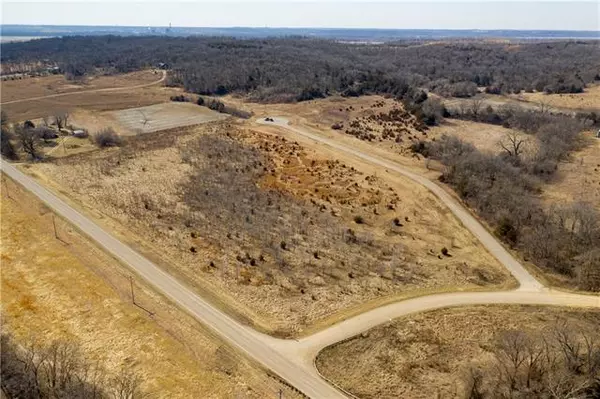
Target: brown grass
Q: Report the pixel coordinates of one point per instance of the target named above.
(578, 179)
(588, 100)
(484, 136)
(52, 290)
(28, 87)
(311, 287)
(426, 355)
(95, 102)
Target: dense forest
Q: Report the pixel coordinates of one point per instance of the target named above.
(292, 69)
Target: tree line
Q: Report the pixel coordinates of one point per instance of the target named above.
(296, 69)
(561, 362)
(58, 370)
(504, 188)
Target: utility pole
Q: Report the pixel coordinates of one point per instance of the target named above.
(54, 225)
(56, 231)
(133, 298)
(6, 188)
(132, 293)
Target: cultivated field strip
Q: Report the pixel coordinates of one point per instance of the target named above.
(165, 116)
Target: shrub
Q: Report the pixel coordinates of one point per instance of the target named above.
(420, 147)
(216, 105)
(237, 112)
(107, 137)
(359, 219)
(310, 94)
(8, 149)
(180, 98)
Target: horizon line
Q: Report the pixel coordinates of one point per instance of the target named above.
(309, 27)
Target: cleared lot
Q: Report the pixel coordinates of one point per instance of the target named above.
(164, 116)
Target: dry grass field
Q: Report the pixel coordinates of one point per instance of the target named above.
(28, 87)
(578, 179)
(373, 119)
(588, 100)
(484, 136)
(283, 235)
(102, 101)
(427, 355)
(90, 102)
(157, 117)
(70, 290)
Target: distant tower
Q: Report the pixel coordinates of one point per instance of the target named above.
(169, 28)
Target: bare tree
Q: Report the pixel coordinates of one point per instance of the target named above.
(107, 137)
(31, 371)
(588, 270)
(30, 141)
(61, 118)
(513, 144)
(543, 106)
(7, 147)
(144, 119)
(562, 362)
(475, 106)
(127, 386)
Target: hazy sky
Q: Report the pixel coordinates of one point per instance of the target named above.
(329, 13)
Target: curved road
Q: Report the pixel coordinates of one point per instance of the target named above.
(527, 281)
(293, 360)
(164, 76)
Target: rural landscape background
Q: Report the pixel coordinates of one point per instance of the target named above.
(372, 210)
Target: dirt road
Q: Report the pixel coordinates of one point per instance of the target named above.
(164, 76)
(293, 360)
(258, 346)
(527, 281)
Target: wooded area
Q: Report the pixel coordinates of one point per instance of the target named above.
(295, 69)
(504, 188)
(58, 370)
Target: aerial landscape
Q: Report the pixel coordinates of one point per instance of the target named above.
(300, 200)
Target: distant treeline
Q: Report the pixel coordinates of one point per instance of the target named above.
(288, 69)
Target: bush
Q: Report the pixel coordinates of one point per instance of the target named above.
(180, 98)
(216, 105)
(310, 94)
(359, 219)
(237, 112)
(420, 147)
(107, 137)
(7, 147)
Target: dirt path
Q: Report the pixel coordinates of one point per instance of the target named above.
(164, 76)
(293, 360)
(527, 281)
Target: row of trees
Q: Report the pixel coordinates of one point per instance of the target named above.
(504, 188)
(27, 138)
(301, 69)
(559, 363)
(30, 370)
